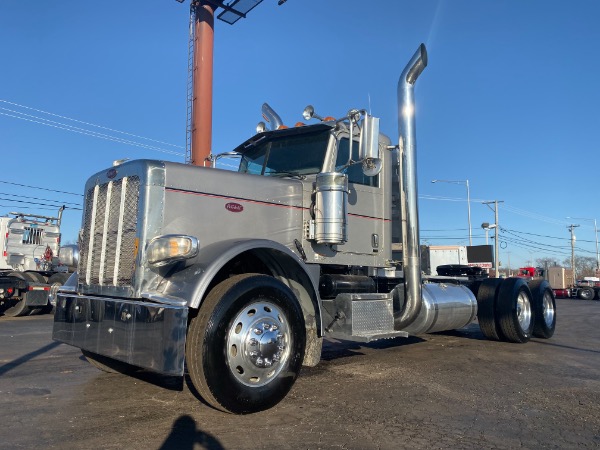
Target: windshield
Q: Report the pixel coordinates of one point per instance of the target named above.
(298, 154)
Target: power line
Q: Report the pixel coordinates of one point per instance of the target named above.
(533, 215)
(40, 188)
(65, 127)
(91, 124)
(33, 203)
(43, 199)
(37, 208)
(546, 236)
(522, 239)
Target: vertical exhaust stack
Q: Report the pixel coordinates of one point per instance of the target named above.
(271, 116)
(411, 260)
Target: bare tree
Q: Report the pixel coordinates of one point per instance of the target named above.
(584, 265)
(546, 262)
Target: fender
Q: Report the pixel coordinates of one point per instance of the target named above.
(192, 282)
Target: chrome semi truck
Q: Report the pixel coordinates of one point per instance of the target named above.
(237, 277)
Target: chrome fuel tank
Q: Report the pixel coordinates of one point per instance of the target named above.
(445, 307)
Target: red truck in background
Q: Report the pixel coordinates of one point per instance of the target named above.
(562, 283)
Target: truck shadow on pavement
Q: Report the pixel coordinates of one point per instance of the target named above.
(336, 349)
(171, 383)
(185, 435)
(25, 358)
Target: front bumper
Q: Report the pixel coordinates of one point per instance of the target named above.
(147, 335)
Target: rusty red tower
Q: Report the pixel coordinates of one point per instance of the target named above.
(200, 71)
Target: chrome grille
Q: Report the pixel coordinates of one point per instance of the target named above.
(109, 232)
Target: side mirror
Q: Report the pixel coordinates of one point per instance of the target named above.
(308, 112)
(368, 150)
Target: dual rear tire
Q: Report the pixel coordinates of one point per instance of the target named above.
(511, 310)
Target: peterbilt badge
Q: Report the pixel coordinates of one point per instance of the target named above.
(234, 207)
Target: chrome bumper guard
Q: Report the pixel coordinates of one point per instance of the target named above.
(147, 335)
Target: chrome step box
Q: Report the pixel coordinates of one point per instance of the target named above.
(362, 317)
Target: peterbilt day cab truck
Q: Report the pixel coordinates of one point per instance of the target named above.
(237, 277)
(32, 263)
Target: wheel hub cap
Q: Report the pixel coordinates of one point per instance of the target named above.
(258, 343)
(548, 309)
(267, 346)
(524, 311)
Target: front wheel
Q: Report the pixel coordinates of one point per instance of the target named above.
(246, 345)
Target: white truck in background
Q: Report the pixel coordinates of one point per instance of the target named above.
(32, 263)
(456, 260)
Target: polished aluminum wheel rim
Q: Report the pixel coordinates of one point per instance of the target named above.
(548, 309)
(258, 343)
(524, 311)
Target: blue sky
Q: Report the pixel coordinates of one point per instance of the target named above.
(510, 99)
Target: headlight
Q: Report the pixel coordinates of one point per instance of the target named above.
(166, 249)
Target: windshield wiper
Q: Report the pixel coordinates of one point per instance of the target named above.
(284, 173)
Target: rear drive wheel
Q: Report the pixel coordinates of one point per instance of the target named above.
(245, 347)
(108, 365)
(18, 307)
(544, 309)
(585, 293)
(514, 310)
(486, 308)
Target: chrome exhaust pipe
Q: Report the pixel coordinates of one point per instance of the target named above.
(411, 251)
(271, 116)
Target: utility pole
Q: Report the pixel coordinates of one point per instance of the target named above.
(596, 235)
(572, 229)
(496, 228)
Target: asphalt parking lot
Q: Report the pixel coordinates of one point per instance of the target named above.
(447, 390)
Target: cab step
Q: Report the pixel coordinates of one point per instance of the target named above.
(362, 317)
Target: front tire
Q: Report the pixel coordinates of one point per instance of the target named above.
(246, 345)
(514, 310)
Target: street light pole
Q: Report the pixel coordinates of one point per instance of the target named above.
(597, 253)
(496, 244)
(466, 183)
(469, 212)
(572, 229)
